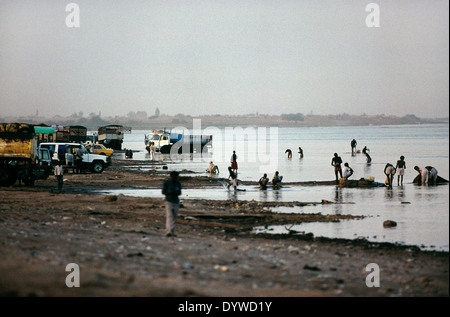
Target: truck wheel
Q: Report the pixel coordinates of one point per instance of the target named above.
(4, 176)
(7, 176)
(97, 167)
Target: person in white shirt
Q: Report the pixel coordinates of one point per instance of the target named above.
(423, 175)
(58, 170)
(152, 151)
(212, 168)
(347, 172)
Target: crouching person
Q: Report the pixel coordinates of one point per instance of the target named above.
(263, 181)
(276, 180)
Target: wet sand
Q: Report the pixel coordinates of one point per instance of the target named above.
(121, 249)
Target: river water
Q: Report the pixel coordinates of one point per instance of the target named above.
(421, 212)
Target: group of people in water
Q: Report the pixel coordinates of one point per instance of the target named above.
(232, 174)
(342, 171)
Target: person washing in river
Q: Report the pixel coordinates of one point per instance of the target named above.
(263, 181)
(347, 171)
(389, 171)
(289, 153)
(353, 145)
(212, 168)
(232, 178)
(276, 180)
(432, 175)
(365, 150)
(424, 174)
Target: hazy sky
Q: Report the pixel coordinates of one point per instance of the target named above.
(224, 57)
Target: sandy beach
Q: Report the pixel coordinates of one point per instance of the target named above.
(121, 249)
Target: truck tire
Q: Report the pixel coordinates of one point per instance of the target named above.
(97, 167)
(4, 176)
(165, 149)
(7, 176)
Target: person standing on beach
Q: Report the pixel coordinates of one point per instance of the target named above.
(58, 171)
(78, 160)
(234, 165)
(401, 166)
(300, 152)
(353, 145)
(171, 189)
(152, 151)
(389, 171)
(336, 161)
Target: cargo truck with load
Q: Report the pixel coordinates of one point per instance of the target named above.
(20, 156)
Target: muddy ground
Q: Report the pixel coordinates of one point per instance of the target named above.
(121, 249)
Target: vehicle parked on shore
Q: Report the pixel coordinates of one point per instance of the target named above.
(20, 157)
(102, 150)
(163, 142)
(112, 135)
(65, 152)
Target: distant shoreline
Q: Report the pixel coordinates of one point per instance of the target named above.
(141, 121)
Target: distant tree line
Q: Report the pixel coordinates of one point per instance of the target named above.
(293, 117)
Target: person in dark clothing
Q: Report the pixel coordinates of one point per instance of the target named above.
(365, 150)
(263, 181)
(171, 189)
(289, 153)
(353, 145)
(336, 161)
(232, 177)
(234, 165)
(401, 166)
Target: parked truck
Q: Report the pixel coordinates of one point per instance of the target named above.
(20, 157)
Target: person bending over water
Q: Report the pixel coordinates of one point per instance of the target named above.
(289, 153)
(389, 171)
(423, 175)
(232, 178)
(365, 150)
(432, 175)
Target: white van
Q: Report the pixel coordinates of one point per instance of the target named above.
(65, 153)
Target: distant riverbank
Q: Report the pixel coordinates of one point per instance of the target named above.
(140, 120)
